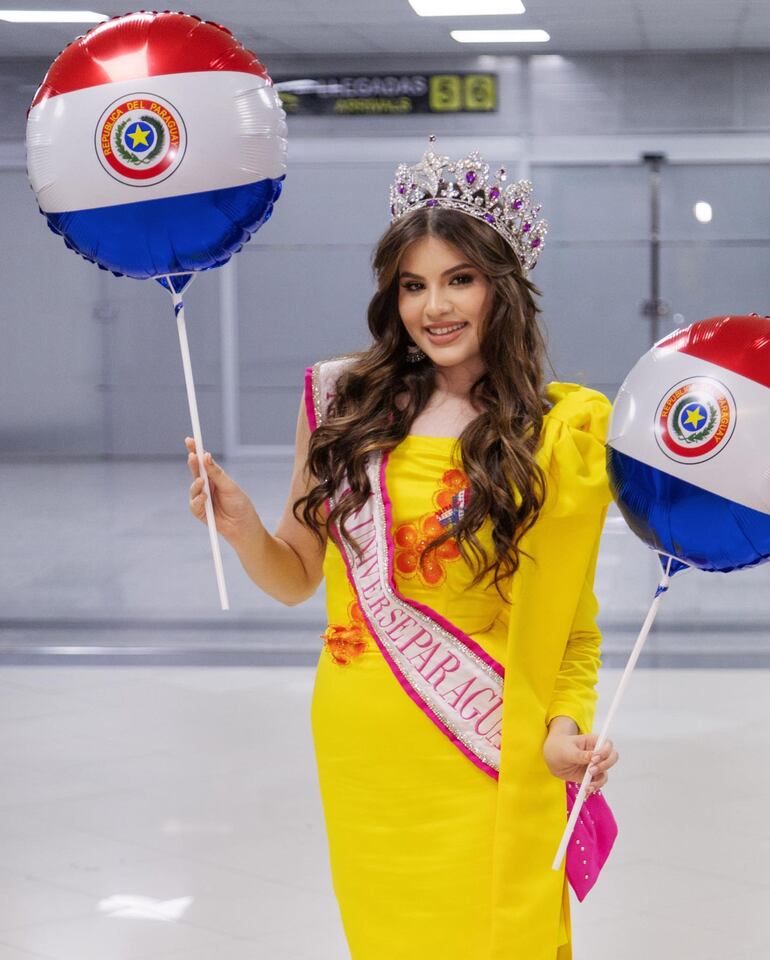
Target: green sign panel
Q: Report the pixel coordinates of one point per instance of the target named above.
(389, 94)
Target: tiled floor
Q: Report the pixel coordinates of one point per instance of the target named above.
(145, 814)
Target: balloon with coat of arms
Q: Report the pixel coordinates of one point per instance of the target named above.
(156, 147)
(688, 460)
(688, 446)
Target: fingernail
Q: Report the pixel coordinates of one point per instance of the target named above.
(592, 770)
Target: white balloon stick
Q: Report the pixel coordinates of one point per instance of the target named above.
(577, 805)
(196, 426)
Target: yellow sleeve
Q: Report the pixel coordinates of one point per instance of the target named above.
(574, 692)
(574, 456)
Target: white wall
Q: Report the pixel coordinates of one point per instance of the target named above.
(90, 363)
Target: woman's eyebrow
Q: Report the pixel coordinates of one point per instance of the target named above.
(459, 266)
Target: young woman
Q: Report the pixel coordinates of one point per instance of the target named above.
(454, 503)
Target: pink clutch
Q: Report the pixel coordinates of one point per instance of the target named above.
(591, 840)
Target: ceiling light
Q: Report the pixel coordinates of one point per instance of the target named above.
(462, 8)
(500, 36)
(703, 212)
(52, 16)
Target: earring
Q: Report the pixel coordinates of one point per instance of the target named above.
(414, 353)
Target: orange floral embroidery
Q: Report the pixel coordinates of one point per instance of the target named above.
(454, 484)
(345, 642)
(411, 538)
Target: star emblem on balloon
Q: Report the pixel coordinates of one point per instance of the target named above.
(139, 135)
(694, 417)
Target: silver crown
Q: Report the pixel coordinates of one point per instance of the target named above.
(465, 185)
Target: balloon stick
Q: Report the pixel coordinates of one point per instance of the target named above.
(587, 777)
(196, 426)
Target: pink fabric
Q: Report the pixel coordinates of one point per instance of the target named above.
(309, 406)
(591, 840)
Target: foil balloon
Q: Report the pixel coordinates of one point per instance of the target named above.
(688, 461)
(688, 445)
(156, 145)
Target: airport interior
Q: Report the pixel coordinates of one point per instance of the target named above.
(160, 793)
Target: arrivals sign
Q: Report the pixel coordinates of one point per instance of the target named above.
(386, 94)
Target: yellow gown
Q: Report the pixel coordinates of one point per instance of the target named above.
(420, 853)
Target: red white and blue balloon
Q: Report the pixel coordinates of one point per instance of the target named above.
(156, 144)
(688, 445)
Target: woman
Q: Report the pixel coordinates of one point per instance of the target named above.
(465, 499)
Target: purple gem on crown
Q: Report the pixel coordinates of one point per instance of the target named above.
(482, 198)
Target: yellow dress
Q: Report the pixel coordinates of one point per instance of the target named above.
(421, 854)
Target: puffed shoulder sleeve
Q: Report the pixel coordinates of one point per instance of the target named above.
(572, 450)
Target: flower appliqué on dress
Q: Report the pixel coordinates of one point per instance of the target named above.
(345, 642)
(410, 539)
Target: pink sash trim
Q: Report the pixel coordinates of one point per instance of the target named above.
(309, 408)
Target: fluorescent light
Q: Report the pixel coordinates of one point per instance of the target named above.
(52, 16)
(500, 36)
(465, 8)
(703, 212)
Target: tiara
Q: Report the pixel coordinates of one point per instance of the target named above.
(466, 185)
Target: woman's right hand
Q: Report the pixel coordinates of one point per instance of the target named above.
(233, 510)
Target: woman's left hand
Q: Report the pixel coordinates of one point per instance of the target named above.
(568, 755)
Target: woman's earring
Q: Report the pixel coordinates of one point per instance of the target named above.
(414, 353)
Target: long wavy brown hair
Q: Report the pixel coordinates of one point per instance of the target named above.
(497, 447)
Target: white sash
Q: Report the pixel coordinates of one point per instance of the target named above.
(450, 677)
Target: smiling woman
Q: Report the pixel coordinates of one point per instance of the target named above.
(439, 269)
(443, 300)
(431, 465)
(455, 691)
